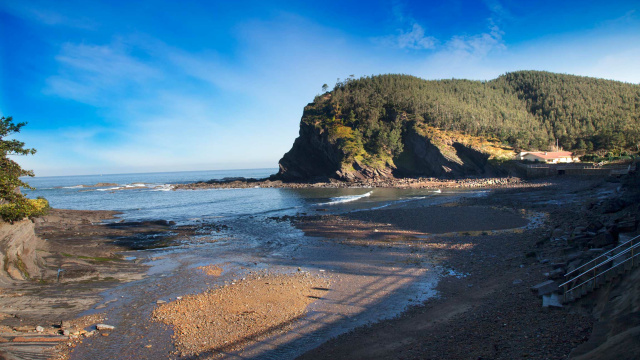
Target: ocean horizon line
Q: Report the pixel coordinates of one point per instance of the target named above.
(147, 173)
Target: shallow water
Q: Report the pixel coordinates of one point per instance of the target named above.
(138, 198)
(368, 283)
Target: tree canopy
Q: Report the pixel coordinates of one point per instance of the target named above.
(529, 110)
(13, 204)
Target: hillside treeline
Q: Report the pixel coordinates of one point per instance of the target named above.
(367, 117)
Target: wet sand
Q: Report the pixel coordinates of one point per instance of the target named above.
(414, 222)
(485, 310)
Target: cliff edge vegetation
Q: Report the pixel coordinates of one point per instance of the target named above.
(401, 125)
(14, 206)
(18, 242)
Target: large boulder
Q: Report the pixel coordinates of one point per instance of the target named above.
(19, 259)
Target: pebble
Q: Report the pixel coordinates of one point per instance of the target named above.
(105, 327)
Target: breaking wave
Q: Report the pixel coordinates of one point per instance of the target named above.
(345, 199)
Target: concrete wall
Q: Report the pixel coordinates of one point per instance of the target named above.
(535, 171)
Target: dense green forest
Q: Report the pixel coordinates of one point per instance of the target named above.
(531, 110)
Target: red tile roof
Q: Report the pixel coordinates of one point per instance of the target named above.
(551, 154)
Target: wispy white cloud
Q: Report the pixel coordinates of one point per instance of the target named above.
(412, 35)
(498, 11)
(409, 35)
(94, 74)
(415, 39)
(46, 14)
(478, 45)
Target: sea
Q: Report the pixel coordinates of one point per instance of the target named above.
(369, 283)
(149, 196)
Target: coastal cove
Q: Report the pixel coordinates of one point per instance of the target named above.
(366, 256)
(244, 232)
(397, 180)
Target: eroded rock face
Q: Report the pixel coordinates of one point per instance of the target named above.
(314, 157)
(311, 156)
(18, 256)
(422, 157)
(616, 333)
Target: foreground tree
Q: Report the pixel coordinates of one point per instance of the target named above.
(13, 204)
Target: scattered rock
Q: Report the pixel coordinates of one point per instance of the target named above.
(551, 300)
(602, 239)
(31, 339)
(39, 329)
(105, 327)
(545, 288)
(557, 233)
(556, 274)
(23, 328)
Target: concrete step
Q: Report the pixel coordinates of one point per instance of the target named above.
(621, 268)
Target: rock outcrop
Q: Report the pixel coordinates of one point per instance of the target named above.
(18, 249)
(314, 157)
(424, 157)
(617, 330)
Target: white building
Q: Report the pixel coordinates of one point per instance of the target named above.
(551, 157)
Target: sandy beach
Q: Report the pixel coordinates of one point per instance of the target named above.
(228, 318)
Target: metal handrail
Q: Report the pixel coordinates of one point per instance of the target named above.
(602, 273)
(605, 254)
(604, 262)
(594, 278)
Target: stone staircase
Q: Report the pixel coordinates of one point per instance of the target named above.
(601, 270)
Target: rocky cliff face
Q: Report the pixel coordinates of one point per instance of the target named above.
(19, 259)
(423, 156)
(314, 157)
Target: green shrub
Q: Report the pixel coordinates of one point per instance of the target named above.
(24, 208)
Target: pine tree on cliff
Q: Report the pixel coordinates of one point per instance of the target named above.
(13, 204)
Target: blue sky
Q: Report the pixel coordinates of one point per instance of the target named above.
(152, 85)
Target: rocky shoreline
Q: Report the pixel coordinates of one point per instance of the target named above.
(490, 311)
(410, 183)
(80, 254)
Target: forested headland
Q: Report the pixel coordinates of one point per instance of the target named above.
(370, 121)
